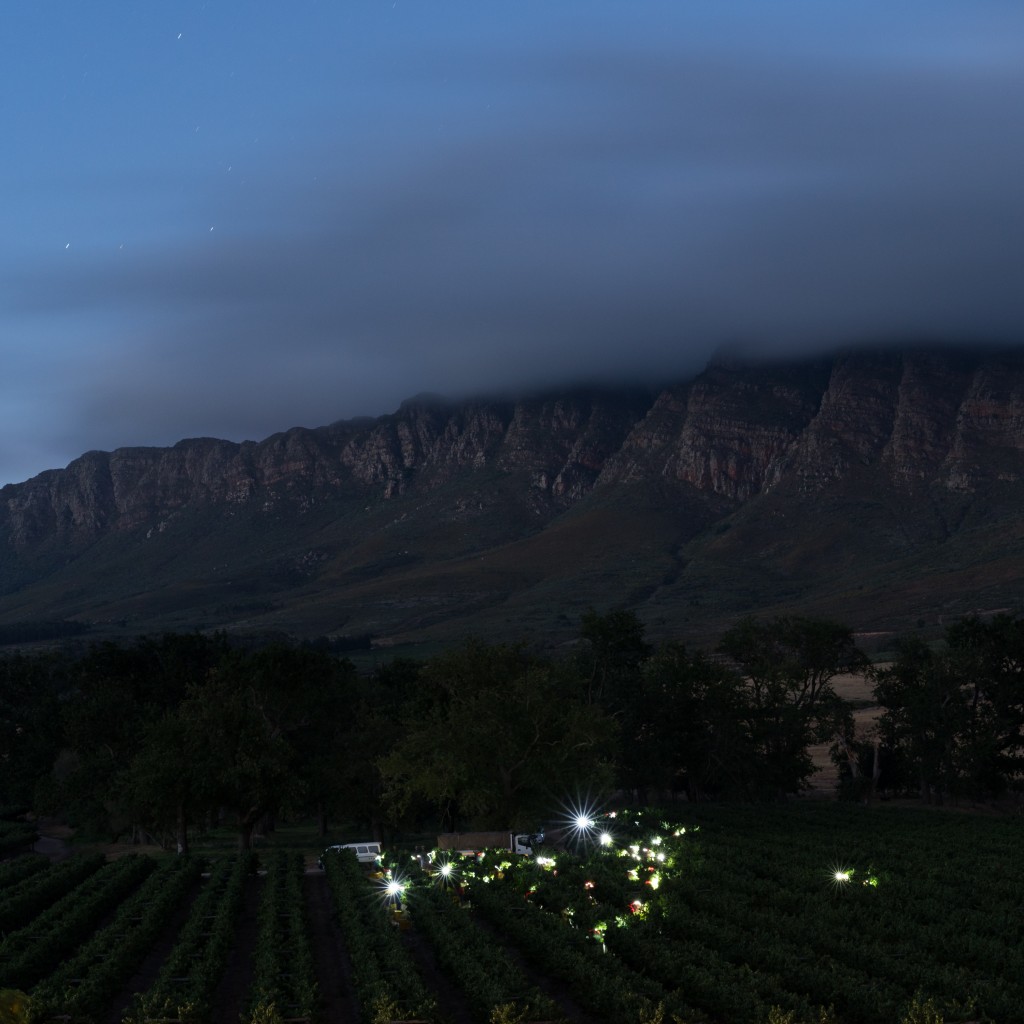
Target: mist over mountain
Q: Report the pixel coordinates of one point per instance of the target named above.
(878, 486)
(221, 227)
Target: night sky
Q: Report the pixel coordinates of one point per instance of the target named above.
(230, 218)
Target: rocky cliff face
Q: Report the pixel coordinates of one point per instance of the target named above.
(560, 442)
(729, 432)
(923, 417)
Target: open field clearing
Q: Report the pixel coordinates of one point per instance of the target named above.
(857, 690)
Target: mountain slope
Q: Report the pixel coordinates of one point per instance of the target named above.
(878, 486)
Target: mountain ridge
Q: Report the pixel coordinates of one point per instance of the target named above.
(841, 483)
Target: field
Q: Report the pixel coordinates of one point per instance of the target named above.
(858, 692)
(729, 914)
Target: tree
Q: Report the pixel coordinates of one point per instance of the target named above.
(263, 725)
(689, 728)
(392, 694)
(504, 735)
(956, 712)
(105, 708)
(113, 695)
(990, 655)
(311, 696)
(30, 724)
(788, 664)
(614, 649)
(167, 785)
(923, 712)
(247, 764)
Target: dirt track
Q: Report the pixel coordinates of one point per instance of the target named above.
(334, 973)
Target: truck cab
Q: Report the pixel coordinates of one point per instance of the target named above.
(526, 842)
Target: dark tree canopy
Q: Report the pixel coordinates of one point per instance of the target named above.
(175, 733)
(506, 734)
(955, 712)
(788, 664)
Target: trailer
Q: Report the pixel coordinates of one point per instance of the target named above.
(475, 842)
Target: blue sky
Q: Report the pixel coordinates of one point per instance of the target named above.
(229, 218)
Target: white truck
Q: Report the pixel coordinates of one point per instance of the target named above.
(366, 852)
(474, 842)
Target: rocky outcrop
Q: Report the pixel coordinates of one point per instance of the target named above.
(854, 422)
(728, 432)
(923, 418)
(988, 438)
(560, 442)
(931, 391)
(564, 441)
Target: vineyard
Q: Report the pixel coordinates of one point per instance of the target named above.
(722, 914)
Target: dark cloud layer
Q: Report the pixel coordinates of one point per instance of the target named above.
(618, 212)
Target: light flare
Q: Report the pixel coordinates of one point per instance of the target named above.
(582, 823)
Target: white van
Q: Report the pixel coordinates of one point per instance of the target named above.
(366, 853)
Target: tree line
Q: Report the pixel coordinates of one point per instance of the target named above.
(952, 722)
(178, 732)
